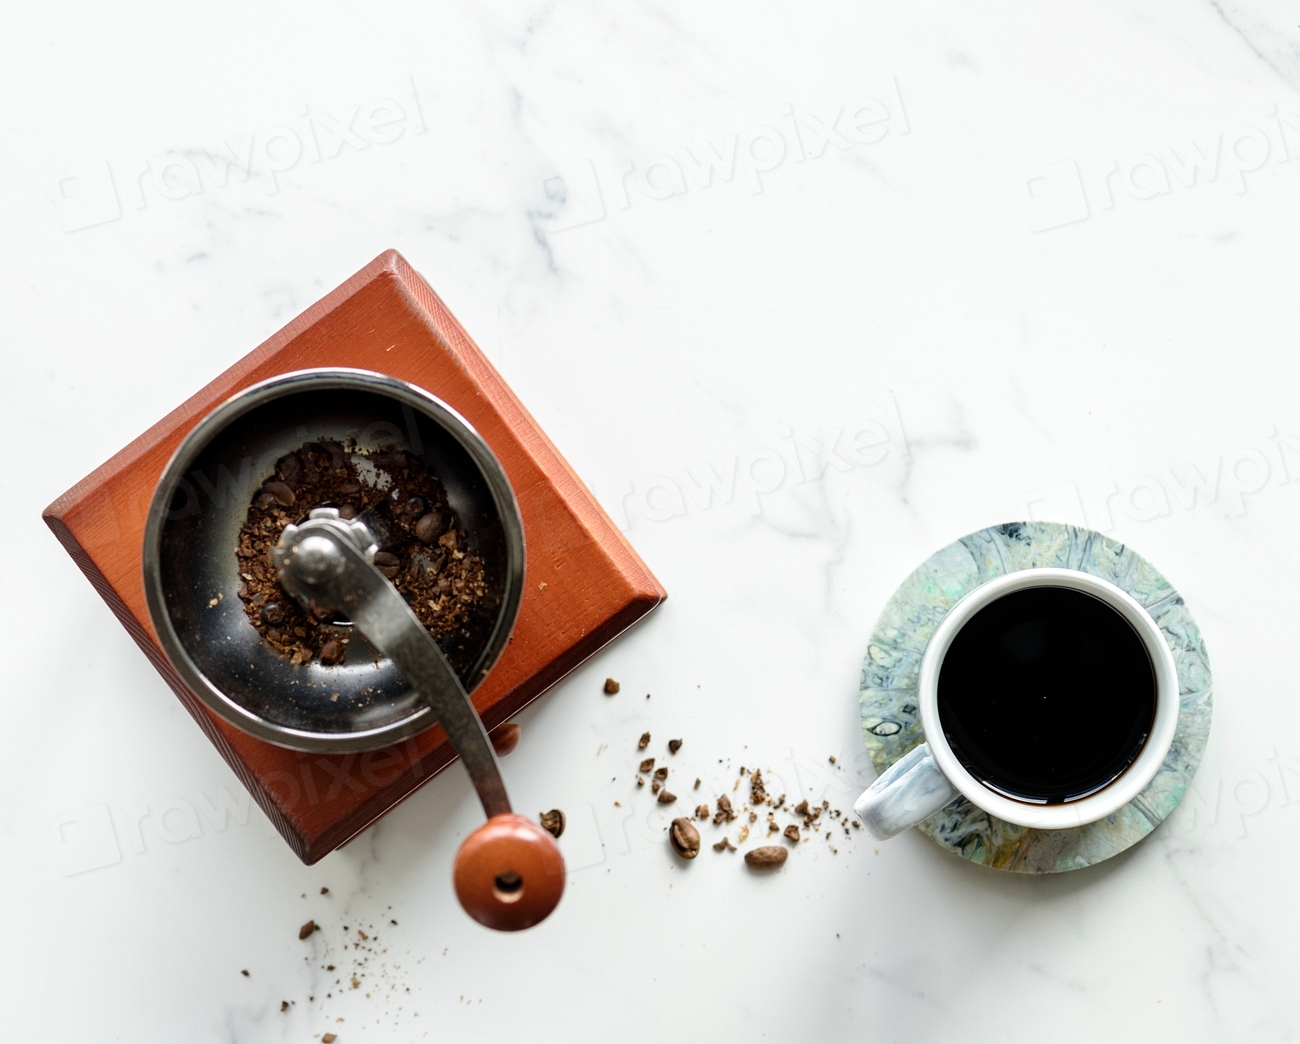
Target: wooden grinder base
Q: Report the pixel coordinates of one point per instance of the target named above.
(584, 583)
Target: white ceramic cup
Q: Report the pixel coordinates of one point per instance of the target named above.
(929, 777)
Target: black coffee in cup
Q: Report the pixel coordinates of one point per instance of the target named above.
(1047, 695)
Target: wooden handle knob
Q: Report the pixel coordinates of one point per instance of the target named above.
(509, 873)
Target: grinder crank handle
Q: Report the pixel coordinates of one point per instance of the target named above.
(509, 873)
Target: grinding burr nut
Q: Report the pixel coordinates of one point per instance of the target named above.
(684, 838)
(769, 857)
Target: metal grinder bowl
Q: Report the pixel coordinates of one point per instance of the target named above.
(191, 573)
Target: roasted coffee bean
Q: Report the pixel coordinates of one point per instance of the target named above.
(648, 765)
(792, 834)
(769, 857)
(684, 838)
(415, 507)
(273, 614)
(505, 738)
(661, 773)
(431, 526)
(331, 652)
(674, 746)
(282, 493)
(553, 822)
(289, 468)
(666, 797)
(387, 563)
(644, 741)
(611, 686)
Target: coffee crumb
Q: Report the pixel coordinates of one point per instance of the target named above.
(701, 811)
(284, 1005)
(697, 783)
(644, 741)
(329, 1038)
(553, 822)
(611, 686)
(724, 845)
(307, 929)
(243, 972)
(674, 746)
(666, 797)
(324, 891)
(792, 834)
(661, 773)
(648, 765)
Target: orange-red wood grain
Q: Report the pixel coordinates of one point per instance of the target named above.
(385, 318)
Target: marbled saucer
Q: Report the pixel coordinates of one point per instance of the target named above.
(891, 723)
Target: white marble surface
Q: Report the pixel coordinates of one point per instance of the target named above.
(1016, 283)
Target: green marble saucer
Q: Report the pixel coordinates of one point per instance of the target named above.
(891, 722)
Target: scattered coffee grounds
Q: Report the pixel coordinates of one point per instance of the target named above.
(644, 741)
(611, 686)
(769, 857)
(553, 822)
(684, 838)
(674, 746)
(306, 930)
(428, 557)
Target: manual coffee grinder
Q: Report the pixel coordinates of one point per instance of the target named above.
(327, 747)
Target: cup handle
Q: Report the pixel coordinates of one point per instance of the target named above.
(910, 790)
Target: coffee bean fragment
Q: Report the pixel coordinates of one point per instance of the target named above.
(331, 652)
(701, 811)
(324, 890)
(284, 1005)
(307, 929)
(281, 491)
(243, 972)
(684, 838)
(697, 784)
(647, 765)
(661, 773)
(724, 845)
(431, 526)
(289, 468)
(666, 797)
(644, 741)
(611, 686)
(387, 563)
(674, 746)
(553, 822)
(330, 1038)
(801, 809)
(792, 834)
(655, 786)
(768, 857)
